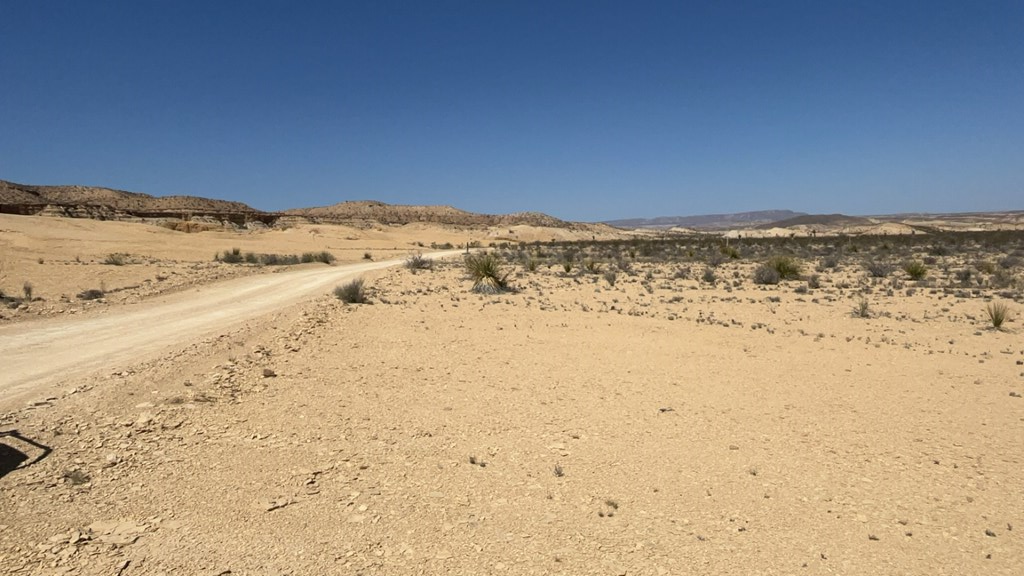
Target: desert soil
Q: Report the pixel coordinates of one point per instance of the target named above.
(660, 425)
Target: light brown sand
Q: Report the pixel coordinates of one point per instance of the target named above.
(696, 430)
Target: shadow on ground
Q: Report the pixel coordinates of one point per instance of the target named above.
(11, 456)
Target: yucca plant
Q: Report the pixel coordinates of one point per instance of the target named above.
(485, 270)
(862, 309)
(997, 313)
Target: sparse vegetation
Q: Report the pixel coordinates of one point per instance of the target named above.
(915, 269)
(997, 314)
(322, 257)
(26, 290)
(485, 271)
(115, 259)
(878, 268)
(91, 294)
(611, 276)
(788, 268)
(765, 274)
(353, 292)
(862, 309)
(235, 256)
(418, 262)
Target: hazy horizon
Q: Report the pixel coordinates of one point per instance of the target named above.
(586, 112)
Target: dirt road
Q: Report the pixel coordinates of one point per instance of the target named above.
(38, 353)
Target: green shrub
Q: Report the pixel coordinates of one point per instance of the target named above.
(352, 292)
(485, 271)
(997, 313)
(788, 268)
(730, 252)
(916, 270)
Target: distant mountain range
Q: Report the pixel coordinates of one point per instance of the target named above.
(709, 221)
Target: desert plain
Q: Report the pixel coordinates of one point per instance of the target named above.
(632, 405)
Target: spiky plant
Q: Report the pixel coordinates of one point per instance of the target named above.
(997, 313)
(485, 271)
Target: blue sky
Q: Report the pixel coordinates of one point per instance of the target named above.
(583, 110)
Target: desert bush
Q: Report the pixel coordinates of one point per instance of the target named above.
(878, 268)
(418, 262)
(232, 257)
(531, 264)
(611, 276)
(485, 271)
(814, 282)
(252, 258)
(709, 275)
(592, 266)
(281, 260)
(115, 259)
(367, 256)
(353, 292)
(567, 266)
(1008, 262)
(830, 262)
(715, 259)
(91, 294)
(323, 257)
(964, 276)
(997, 313)
(788, 268)
(862, 309)
(26, 290)
(765, 274)
(1003, 279)
(915, 269)
(730, 252)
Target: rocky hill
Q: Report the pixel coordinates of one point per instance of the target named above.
(708, 221)
(195, 213)
(359, 213)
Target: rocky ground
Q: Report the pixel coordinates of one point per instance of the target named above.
(660, 424)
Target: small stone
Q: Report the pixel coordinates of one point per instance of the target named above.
(268, 373)
(733, 447)
(990, 533)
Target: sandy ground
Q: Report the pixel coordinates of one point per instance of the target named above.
(658, 426)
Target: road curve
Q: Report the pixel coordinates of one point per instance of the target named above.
(39, 353)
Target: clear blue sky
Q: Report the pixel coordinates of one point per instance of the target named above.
(585, 110)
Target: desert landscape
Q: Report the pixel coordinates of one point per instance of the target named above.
(565, 399)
